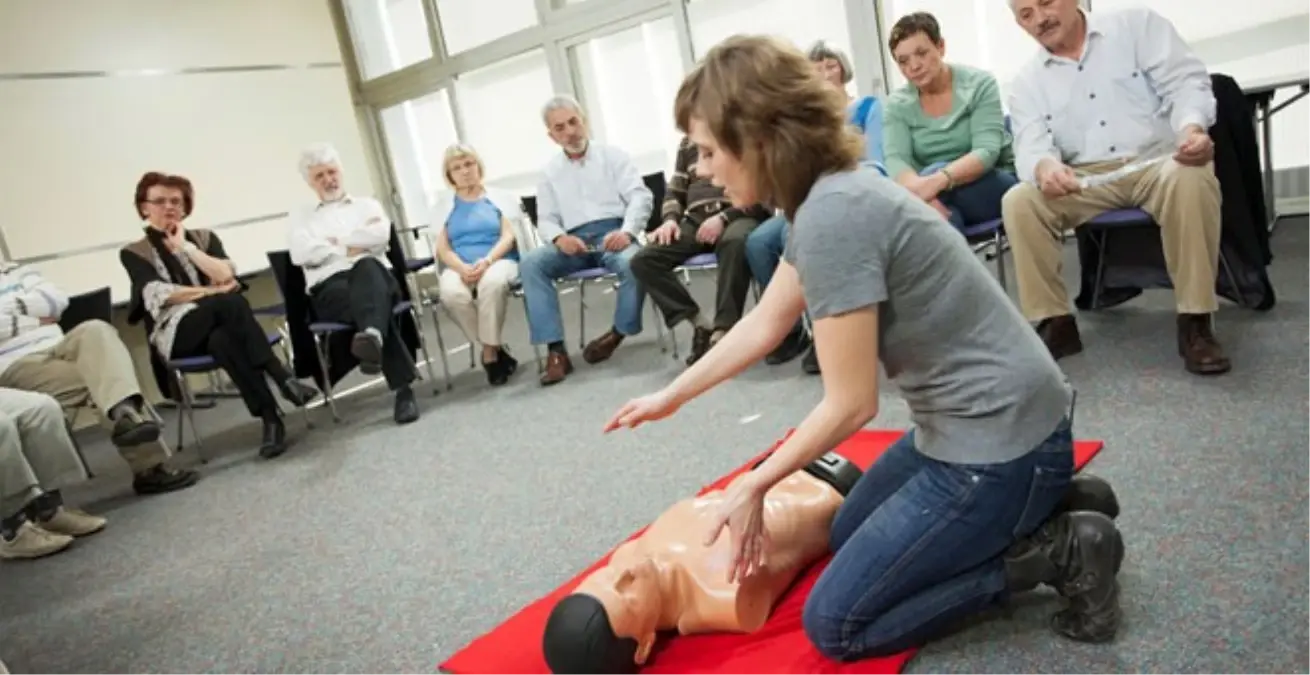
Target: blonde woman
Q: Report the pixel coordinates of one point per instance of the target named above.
(476, 244)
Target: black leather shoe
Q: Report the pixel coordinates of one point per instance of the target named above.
(297, 393)
(275, 439)
(406, 406)
(160, 479)
(810, 362)
(133, 429)
(795, 344)
(367, 348)
(1060, 335)
(1079, 554)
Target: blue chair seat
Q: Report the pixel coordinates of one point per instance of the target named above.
(701, 260)
(980, 229)
(416, 264)
(336, 326)
(592, 273)
(200, 364)
(1121, 217)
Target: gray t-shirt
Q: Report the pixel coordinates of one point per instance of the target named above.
(980, 385)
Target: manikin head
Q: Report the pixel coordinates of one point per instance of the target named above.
(831, 64)
(765, 127)
(566, 124)
(609, 628)
(320, 166)
(164, 200)
(917, 45)
(1056, 24)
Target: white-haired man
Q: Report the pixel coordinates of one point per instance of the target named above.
(591, 205)
(341, 243)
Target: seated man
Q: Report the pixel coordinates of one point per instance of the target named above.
(698, 219)
(37, 458)
(341, 243)
(667, 579)
(591, 205)
(764, 249)
(88, 366)
(1088, 104)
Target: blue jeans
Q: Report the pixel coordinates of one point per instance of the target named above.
(764, 249)
(977, 202)
(543, 265)
(919, 543)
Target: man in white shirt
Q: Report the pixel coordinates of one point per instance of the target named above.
(1106, 88)
(341, 244)
(88, 366)
(591, 205)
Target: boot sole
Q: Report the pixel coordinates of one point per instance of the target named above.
(164, 488)
(369, 354)
(141, 434)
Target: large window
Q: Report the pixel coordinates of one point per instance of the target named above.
(801, 22)
(1216, 21)
(417, 134)
(466, 24)
(980, 33)
(628, 81)
(388, 35)
(500, 106)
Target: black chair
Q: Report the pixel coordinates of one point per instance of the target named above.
(329, 343)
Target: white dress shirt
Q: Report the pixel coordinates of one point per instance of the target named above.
(1136, 85)
(603, 183)
(354, 222)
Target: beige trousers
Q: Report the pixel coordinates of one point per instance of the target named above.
(90, 366)
(480, 311)
(36, 452)
(1183, 200)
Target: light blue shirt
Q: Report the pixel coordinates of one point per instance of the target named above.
(870, 125)
(1137, 84)
(474, 229)
(604, 183)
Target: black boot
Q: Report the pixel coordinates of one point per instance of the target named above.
(297, 393)
(1089, 493)
(1079, 554)
(275, 438)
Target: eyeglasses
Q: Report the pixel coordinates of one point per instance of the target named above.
(165, 201)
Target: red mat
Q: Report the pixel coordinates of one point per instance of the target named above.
(779, 647)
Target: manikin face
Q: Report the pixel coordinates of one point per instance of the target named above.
(464, 172)
(164, 207)
(830, 70)
(721, 167)
(568, 129)
(1052, 22)
(634, 604)
(326, 181)
(919, 59)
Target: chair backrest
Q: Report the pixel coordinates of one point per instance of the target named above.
(655, 182)
(85, 307)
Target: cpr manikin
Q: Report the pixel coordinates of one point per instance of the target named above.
(667, 579)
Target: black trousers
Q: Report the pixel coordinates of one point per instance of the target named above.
(225, 328)
(653, 266)
(364, 296)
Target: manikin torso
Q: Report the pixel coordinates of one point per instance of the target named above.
(668, 579)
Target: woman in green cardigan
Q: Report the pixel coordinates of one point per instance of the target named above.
(944, 132)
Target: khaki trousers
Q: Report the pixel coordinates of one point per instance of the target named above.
(480, 311)
(36, 453)
(90, 366)
(1183, 200)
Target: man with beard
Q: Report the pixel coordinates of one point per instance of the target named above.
(341, 244)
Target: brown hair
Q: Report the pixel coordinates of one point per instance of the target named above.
(763, 102)
(154, 178)
(910, 24)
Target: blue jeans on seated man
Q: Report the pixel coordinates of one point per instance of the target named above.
(977, 202)
(543, 265)
(764, 249)
(920, 544)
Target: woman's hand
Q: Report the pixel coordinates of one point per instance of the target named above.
(175, 239)
(926, 187)
(648, 408)
(742, 512)
(227, 287)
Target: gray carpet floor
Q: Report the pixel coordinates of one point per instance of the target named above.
(371, 548)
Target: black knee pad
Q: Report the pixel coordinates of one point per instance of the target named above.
(1090, 493)
(841, 473)
(580, 639)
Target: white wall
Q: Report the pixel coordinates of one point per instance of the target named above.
(97, 93)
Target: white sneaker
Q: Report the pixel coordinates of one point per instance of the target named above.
(31, 541)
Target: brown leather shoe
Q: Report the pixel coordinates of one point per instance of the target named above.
(1197, 345)
(558, 366)
(602, 347)
(1060, 333)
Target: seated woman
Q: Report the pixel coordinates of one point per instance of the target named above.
(186, 288)
(475, 243)
(864, 113)
(944, 131)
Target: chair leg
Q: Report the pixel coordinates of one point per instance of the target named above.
(441, 349)
(184, 409)
(1000, 259)
(1100, 267)
(77, 448)
(320, 350)
(154, 414)
(536, 348)
(427, 354)
(582, 315)
(1232, 280)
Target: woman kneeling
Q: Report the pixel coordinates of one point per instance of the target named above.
(973, 503)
